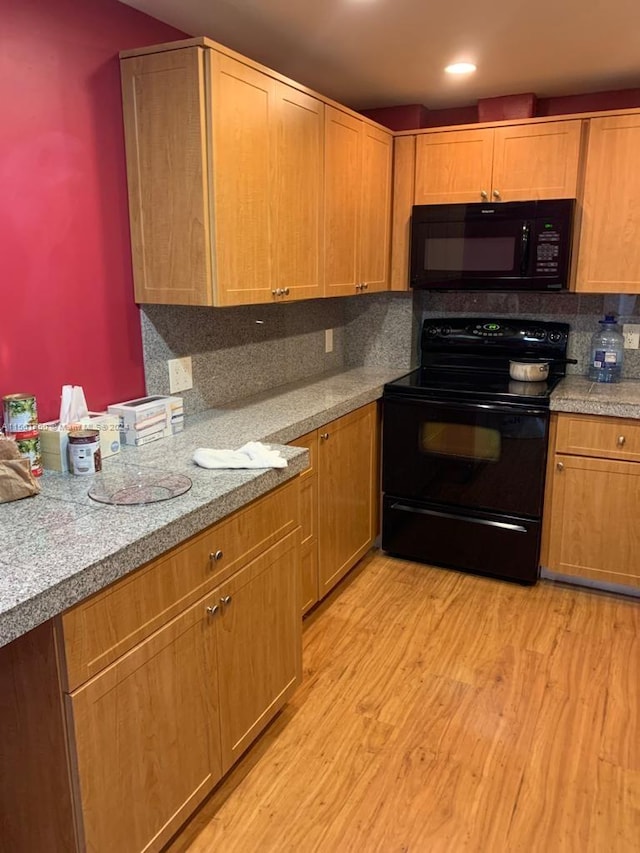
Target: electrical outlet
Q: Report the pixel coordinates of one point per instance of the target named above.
(180, 374)
(631, 332)
(328, 340)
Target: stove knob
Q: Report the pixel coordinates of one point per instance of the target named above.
(555, 337)
(445, 330)
(540, 334)
(432, 331)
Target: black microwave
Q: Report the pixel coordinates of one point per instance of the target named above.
(514, 245)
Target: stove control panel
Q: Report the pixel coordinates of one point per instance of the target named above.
(488, 335)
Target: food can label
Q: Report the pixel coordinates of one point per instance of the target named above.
(85, 459)
(30, 449)
(20, 413)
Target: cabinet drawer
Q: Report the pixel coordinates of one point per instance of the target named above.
(99, 630)
(611, 438)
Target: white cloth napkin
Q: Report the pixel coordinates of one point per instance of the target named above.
(251, 455)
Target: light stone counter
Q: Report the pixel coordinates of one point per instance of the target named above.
(577, 394)
(60, 546)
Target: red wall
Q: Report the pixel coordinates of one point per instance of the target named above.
(67, 313)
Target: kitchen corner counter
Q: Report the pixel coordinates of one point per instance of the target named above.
(60, 546)
(579, 395)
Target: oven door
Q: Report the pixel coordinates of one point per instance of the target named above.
(483, 457)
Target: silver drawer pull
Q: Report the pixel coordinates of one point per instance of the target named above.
(621, 440)
(560, 466)
(213, 609)
(226, 600)
(324, 436)
(214, 556)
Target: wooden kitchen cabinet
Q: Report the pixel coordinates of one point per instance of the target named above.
(258, 631)
(166, 677)
(609, 249)
(348, 493)
(146, 737)
(510, 163)
(224, 166)
(358, 162)
(593, 492)
(340, 494)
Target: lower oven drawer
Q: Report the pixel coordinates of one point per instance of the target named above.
(497, 545)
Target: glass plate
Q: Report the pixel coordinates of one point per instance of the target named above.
(137, 487)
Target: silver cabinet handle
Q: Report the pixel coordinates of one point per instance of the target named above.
(324, 436)
(560, 466)
(365, 286)
(621, 440)
(358, 287)
(484, 194)
(213, 609)
(214, 556)
(226, 600)
(496, 194)
(285, 292)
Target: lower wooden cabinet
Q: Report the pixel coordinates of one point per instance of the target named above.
(593, 493)
(340, 497)
(169, 711)
(146, 734)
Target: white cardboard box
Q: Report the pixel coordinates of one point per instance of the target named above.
(148, 418)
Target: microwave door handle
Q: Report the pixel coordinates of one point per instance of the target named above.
(525, 249)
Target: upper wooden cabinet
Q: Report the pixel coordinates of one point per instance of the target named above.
(224, 166)
(358, 158)
(511, 163)
(227, 179)
(609, 249)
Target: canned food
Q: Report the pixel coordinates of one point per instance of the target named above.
(84, 452)
(20, 413)
(29, 447)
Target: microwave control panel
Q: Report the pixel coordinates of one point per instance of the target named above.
(548, 248)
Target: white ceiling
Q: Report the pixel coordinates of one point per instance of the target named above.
(370, 53)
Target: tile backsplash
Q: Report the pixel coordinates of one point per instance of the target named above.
(237, 352)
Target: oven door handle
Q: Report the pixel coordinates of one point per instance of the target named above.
(489, 407)
(504, 525)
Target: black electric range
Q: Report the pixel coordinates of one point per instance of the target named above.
(465, 447)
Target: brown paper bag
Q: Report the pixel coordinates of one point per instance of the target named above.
(16, 479)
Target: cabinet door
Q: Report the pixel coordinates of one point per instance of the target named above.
(347, 493)
(343, 170)
(375, 221)
(453, 166)
(536, 161)
(299, 198)
(146, 736)
(609, 249)
(259, 637)
(242, 111)
(167, 175)
(593, 531)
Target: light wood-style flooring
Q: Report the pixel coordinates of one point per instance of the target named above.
(445, 712)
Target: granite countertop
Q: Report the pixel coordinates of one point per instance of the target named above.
(61, 546)
(579, 395)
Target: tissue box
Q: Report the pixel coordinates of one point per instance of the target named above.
(148, 419)
(54, 439)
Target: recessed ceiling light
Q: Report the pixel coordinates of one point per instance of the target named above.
(460, 68)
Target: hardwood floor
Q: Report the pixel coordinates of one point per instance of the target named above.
(445, 712)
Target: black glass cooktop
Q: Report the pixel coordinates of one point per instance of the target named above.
(471, 386)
